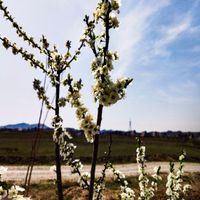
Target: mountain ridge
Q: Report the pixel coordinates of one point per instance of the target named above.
(23, 126)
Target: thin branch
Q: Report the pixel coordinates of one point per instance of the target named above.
(74, 56)
(95, 153)
(20, 32)
(35, 144)
(24, 54)
(101, 179)
(91, 35)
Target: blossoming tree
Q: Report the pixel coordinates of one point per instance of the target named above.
(105, 90)
(57, 65)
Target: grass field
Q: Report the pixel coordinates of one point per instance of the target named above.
(15, 148)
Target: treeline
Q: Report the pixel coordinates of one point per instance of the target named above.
(77, 132)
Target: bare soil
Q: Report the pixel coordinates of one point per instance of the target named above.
(41, 173)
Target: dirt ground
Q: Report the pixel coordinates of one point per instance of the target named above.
(40, 173)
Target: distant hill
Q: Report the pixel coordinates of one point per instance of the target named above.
(23, 126)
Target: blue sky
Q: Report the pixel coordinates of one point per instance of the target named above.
(159, 46)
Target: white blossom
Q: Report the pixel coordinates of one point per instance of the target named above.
(3, 193)
(3, 170)
(174, 183)
(186, 188)
(53, 168)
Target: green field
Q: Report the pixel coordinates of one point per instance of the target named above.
(15, 148)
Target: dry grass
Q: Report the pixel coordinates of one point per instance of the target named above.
(46, 191)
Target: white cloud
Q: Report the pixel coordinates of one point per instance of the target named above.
(170, 34)
(195, 29)
(179, 93)
(159, 47)
(169, 98)
(133, 28)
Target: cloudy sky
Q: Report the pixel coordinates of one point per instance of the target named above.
(159, 46)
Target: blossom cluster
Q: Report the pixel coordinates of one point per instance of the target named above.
(57, 62)
(67, 149)
(41, 93)
(146, 191)
(3, 170)
(126, 192)
(175, 188)
(15, 192)
(84, 180)
(156, 178)
(61, 136)
(84, 117)
(59, 132)
(105, 90)
(98, 188)
(103, 9)
(76, 166)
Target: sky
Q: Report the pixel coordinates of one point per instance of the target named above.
(159, 47)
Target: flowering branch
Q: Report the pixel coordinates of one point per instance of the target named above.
(24, 54)
(175, 188)
(146, 191)
(84, 117)
(20, 32)
(41, 94)
(105, 91)
(126, 192)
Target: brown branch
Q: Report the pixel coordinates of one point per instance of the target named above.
(95, 153)
(100, 112)
(106, 166)
(35, 145)
(74, 57)
(91, 35)
(57, 147)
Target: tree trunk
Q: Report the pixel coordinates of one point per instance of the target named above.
(95, 153)
(57, 148)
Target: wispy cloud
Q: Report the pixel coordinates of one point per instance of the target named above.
(196, 49)
(134, 26)
(170, 34)
(195, 29)
(183, 92)
(171, 98)
(180, 26)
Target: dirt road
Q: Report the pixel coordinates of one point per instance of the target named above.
(40, 173)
